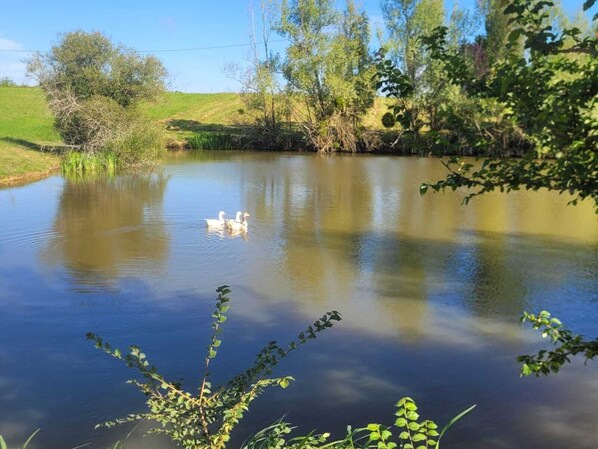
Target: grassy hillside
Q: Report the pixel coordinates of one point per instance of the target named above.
(25, 123)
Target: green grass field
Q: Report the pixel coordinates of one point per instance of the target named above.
(26, 124)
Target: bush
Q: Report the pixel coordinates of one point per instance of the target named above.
(141, 143)
(206, 419)
(5, 81)
(93, 87)
(211, 141)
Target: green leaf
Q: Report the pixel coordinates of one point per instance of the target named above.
(453, 421)
(411, 415)
(3, 443)
(401, 422)
(413, 426)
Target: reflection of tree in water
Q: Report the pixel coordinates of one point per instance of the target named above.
(329, 212)
(106, 225)
(319, 204)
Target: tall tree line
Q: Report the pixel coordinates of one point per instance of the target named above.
(325, 81)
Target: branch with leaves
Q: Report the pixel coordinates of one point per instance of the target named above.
(207, 419)
(552, 95)
(566, 345)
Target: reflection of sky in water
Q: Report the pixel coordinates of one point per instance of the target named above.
(430, 293)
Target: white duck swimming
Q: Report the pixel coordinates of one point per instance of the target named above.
(238, 225)
(237, 219)
(216, 223)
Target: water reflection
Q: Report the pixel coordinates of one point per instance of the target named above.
(357, 230)
(105, 228)
(429, 290)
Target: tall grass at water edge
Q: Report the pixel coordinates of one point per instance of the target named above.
(211, 141)
(76, 162)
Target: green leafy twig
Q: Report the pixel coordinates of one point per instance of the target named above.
(566, 344)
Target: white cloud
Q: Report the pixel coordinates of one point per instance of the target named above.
(12, 63)
(7, 44)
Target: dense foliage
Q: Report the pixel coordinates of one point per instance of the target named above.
(413, 434)
(93, 88)
(328, 69)
(551, 93)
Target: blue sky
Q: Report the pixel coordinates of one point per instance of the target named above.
(152, 25)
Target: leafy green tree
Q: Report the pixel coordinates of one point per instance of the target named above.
(93, 87)
(406, 21)
(89, 64)
(553, 96)
(426, 101)
(5, 81)
(497, 28)
(328, 67)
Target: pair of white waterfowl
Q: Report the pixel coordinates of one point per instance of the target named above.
(238, 224)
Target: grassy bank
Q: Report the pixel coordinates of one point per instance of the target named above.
(26, 127)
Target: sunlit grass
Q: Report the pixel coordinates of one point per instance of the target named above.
(210, 141)
(75, 162)
(204, 120)
(25, 125)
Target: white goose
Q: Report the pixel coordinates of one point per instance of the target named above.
(216, 223)
(237, 219)
(238, 226)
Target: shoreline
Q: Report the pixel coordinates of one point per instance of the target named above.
(27, 177)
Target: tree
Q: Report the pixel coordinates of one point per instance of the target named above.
(497, 28)
(406, 21)
(425, 100)
(553, 96)
(5, 81)
(262, 90)
(93, 86)
(328, 68)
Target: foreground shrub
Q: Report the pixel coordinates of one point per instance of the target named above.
(206, 419)
(141, 143)
(414, 434)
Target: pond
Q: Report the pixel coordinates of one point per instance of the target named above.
(430, 292)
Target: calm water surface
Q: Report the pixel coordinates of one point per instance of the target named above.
(430, 292)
